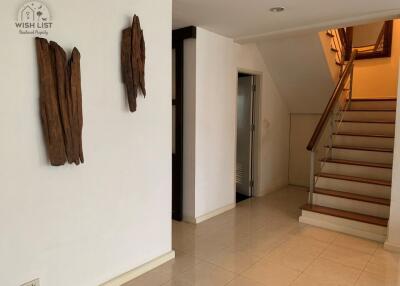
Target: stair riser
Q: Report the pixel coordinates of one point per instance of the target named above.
(352, 205)
(354, 187)
(368, 115)
(357, 171)
(365, 230)
(366, 156)
(367, 128)
(379, 105)
(360, 141)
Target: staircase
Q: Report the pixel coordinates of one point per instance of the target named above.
(352, 188)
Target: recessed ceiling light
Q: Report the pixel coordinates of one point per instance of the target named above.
(277, 9)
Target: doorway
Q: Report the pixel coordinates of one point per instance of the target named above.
(245, 136)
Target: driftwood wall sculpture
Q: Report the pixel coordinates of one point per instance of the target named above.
(60, 102)
(133, 62)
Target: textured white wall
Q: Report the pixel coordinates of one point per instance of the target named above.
(83, 225)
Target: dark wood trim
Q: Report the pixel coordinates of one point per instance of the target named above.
(331, 104)
(387, 44)
(178, 37)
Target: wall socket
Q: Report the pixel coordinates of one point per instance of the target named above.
(35, 282)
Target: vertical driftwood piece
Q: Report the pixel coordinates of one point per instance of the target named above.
(60, 60)
(76, 105)
(142, 63)
(49, 105)
(133, 61)
(126, 64)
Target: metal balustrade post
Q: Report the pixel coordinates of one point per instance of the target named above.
(351, 85)
(312, 177)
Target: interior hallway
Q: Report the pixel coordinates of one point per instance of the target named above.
(260, 242)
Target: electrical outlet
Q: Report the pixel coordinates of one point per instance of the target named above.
(35, 282)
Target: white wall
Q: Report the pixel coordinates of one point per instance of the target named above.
(215, 122)
(83, 225)
(301, 129)
(273, 128)
(393, 239)
(189, 129)
(299, 69)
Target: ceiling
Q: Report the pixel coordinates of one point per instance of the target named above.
(249, 19)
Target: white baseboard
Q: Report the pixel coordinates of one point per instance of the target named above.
(209, 215)
(136, 272)
(392, 246)
(342, 225)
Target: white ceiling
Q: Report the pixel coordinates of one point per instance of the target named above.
(249, 19)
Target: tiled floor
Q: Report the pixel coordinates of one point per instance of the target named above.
(260, 242)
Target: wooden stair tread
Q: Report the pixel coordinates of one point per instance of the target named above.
(368, 121)
(346, 215)
(374, 99)
(360, 148)
(352, 196)
(358, 163)
(363, 134)
(356, 179)
(373, 110)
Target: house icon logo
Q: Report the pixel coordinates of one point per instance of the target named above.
(33, 19)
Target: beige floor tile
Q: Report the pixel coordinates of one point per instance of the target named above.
(347, 256)
(320, 234)
(152, 278)
(205, 274)
(294, 258)
(305, 244)
(370, 279)
(235, 261)
(271, 274)
(356, 243)
(243, 281)
(326, 271)
(307, 280)
(181, 263)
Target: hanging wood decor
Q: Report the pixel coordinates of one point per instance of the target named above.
(60, 102)
(133, 62)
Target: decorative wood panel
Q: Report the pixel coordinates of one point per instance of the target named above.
(133, 57)
(60, 102)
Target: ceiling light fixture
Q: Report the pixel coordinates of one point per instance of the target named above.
(277, 9)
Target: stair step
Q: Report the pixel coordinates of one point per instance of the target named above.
(359, 148)
(346, 214)
(374, 99)
(358, 163)
(352, 196)
(356, 179)
(368, 121)
(363, 134)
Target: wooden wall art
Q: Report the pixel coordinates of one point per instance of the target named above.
(133, 62)
(60, 102)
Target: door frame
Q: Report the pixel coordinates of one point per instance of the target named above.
(178, 37)
(256, 167)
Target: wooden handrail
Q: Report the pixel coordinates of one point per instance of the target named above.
(331, 104)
